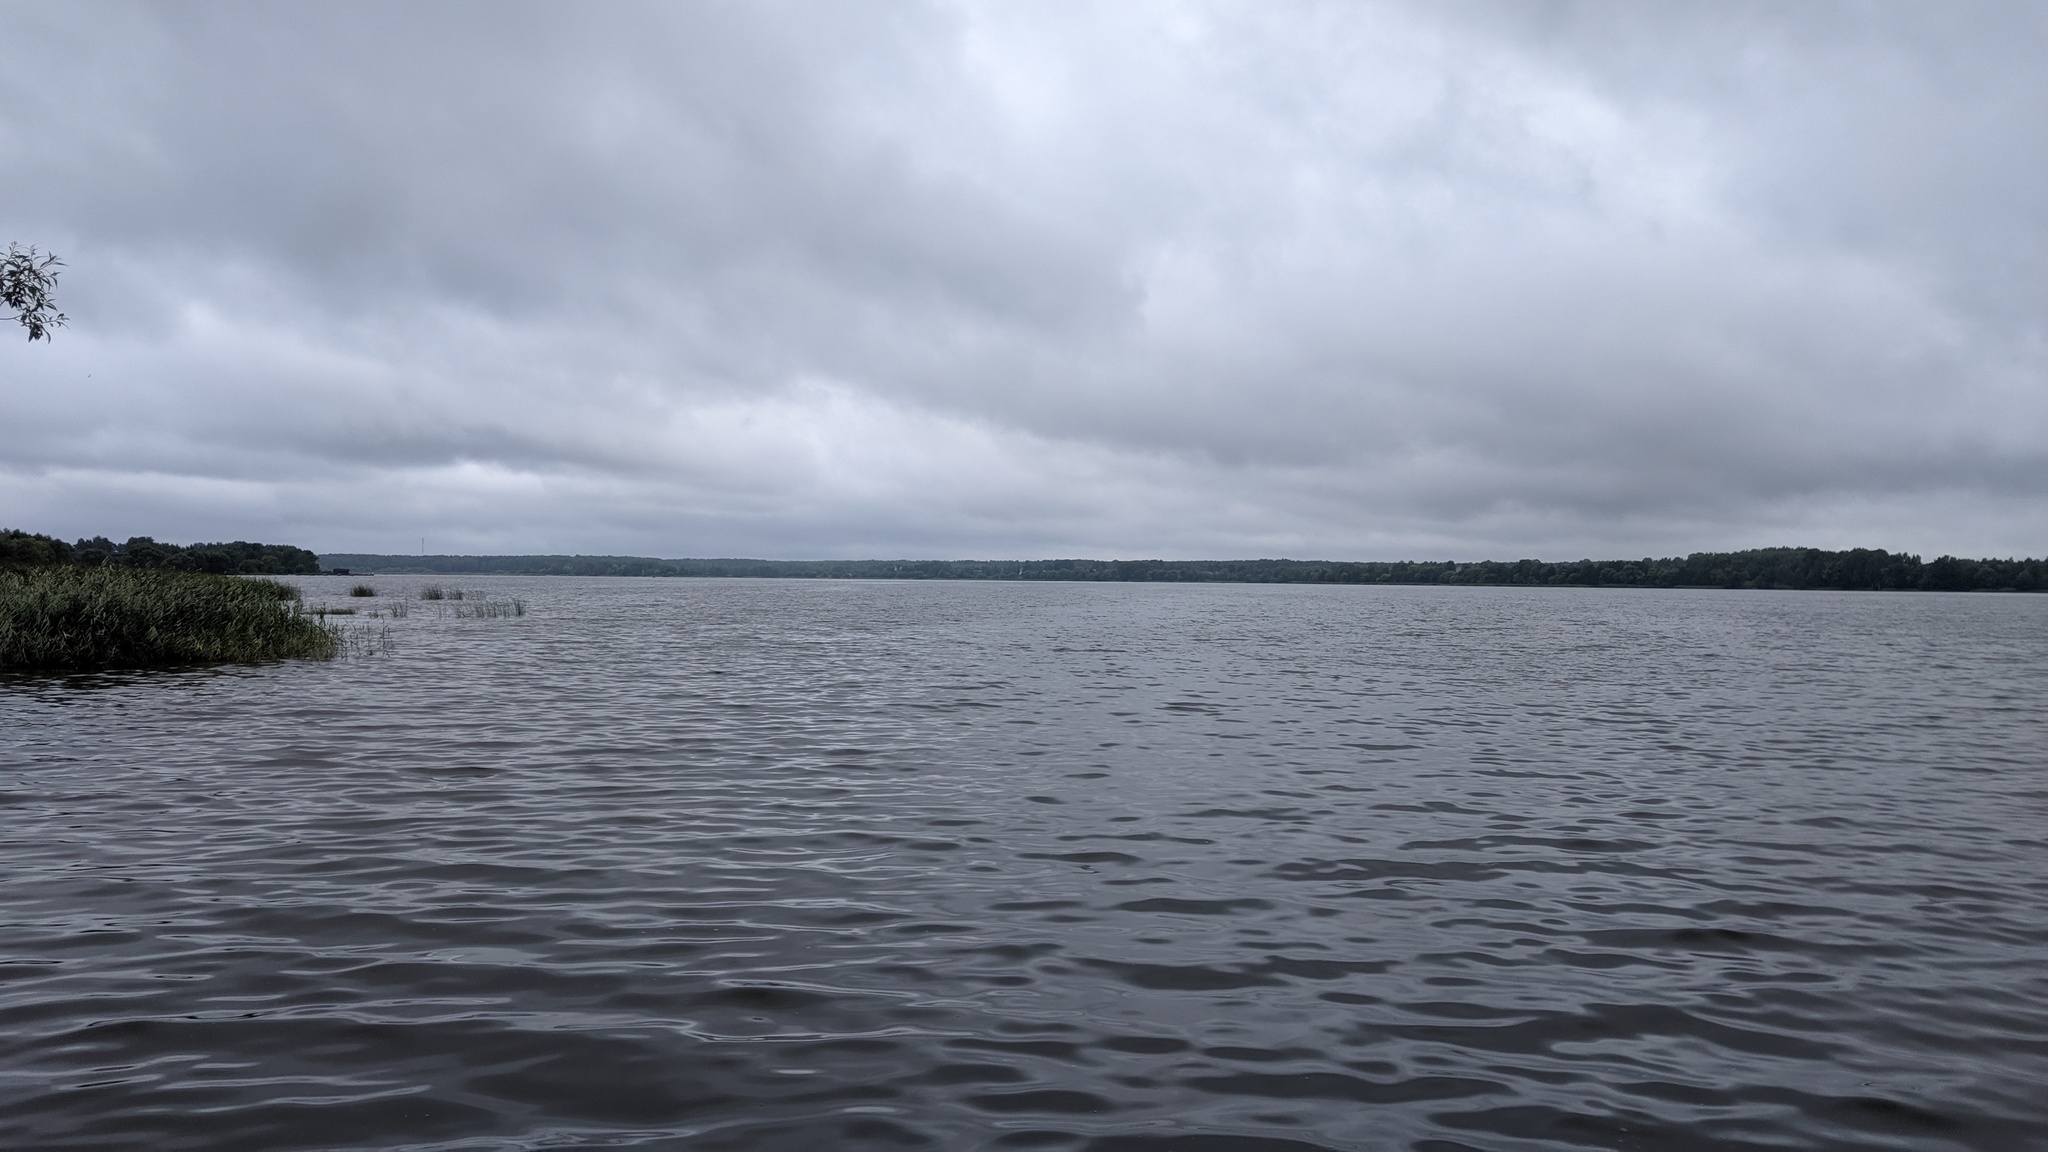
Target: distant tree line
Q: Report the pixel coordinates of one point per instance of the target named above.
(28, 550)
(360, 562)
(1859, 569)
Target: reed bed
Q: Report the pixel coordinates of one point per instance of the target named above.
(113, 617)
(470, 605)
(490, 609)
(361, 641)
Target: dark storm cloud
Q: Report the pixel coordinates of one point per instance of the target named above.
(964, 279)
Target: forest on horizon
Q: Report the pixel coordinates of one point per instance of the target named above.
(1858, 569)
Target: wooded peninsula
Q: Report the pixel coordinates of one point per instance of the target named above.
(20, 549)
(96, 604)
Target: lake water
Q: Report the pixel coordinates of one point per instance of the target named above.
(713, 864)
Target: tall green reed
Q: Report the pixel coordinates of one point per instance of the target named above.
(112, 617)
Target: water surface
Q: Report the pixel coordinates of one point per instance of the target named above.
(715, 864)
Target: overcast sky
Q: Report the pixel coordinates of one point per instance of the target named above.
(1034, 279)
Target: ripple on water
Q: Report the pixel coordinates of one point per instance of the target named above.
(766, 865)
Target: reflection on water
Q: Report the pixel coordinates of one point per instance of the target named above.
(797, 865)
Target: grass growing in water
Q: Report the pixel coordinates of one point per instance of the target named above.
(362, 590)
(361, 641)
(112, 617)
(491, 609)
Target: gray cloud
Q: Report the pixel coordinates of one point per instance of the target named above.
(974, 279)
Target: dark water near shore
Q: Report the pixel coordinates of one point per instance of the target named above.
(796, 865)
